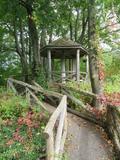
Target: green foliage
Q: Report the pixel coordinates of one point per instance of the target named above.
(112, 65)
(112, 73)
(12, 106)
(112, 84)
(21, 135)
(41, 80)
(82, 86)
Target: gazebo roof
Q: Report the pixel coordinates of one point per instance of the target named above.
(63, 47)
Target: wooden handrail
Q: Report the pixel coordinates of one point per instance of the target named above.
(36, 99)
(55, 149)
(55, 141)
(35, 88)
(54, 117)
(28, 94)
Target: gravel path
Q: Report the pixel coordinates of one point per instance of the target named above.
(85, 141)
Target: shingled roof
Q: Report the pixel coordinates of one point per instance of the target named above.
(64, 42)
(63, 45)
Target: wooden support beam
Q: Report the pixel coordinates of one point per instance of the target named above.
(49, 65)
(78, 65)
(11, 86)
(60, 130)
(64, 134)
(70, 68)
(53, 68)
(74, 68)
(28, 96)
(87, 67)
(50, 147)
(79, 91)
(54, 117)
(63, 70)
(36, 88)
(56, 146)
(37, 100)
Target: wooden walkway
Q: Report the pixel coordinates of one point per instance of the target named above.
(84, 141)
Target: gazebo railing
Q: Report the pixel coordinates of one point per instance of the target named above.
(69, 75)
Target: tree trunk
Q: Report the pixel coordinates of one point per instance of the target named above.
(84, 25)
(93, 54)
(43, 38)
(20, 50)
(33, 36)
(23, 54)
(76, 24)
(70, 26)
(51, 35)
(34, 42)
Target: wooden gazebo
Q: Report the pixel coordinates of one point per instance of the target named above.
(65, 50)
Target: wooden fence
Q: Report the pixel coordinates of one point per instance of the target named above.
(55, 142)
(69, 76)
(56, 128)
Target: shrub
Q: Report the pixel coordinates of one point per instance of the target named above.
(21, 129)
(82, 86)
(12, 106)
(41, 79)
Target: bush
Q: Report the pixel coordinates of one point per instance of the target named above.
(12, 106)
(82, 86)
(21, 129)
(112, 84)
(41, 80)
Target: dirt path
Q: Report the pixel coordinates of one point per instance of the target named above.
(85, 141)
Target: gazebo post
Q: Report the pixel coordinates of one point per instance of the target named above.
(87, 67)
(74, 68)
(78, 65)
(53, 62)
(66, 67)
(49, 64)
(70, 67)
(63, 70)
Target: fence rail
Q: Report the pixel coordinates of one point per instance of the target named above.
(69, 76)
(55, 141)
(55, 134)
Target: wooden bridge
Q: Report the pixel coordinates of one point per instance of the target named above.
(68, 136)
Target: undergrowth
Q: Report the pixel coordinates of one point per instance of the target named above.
(21, 129)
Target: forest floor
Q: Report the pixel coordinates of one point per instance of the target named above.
(85, 141)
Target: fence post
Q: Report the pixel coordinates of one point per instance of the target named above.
(28, 95)
(50, 147)
(10, 85)
(60, 131)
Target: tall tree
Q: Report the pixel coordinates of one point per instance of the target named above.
(93, 51)
(20, 46)
(28, 4)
